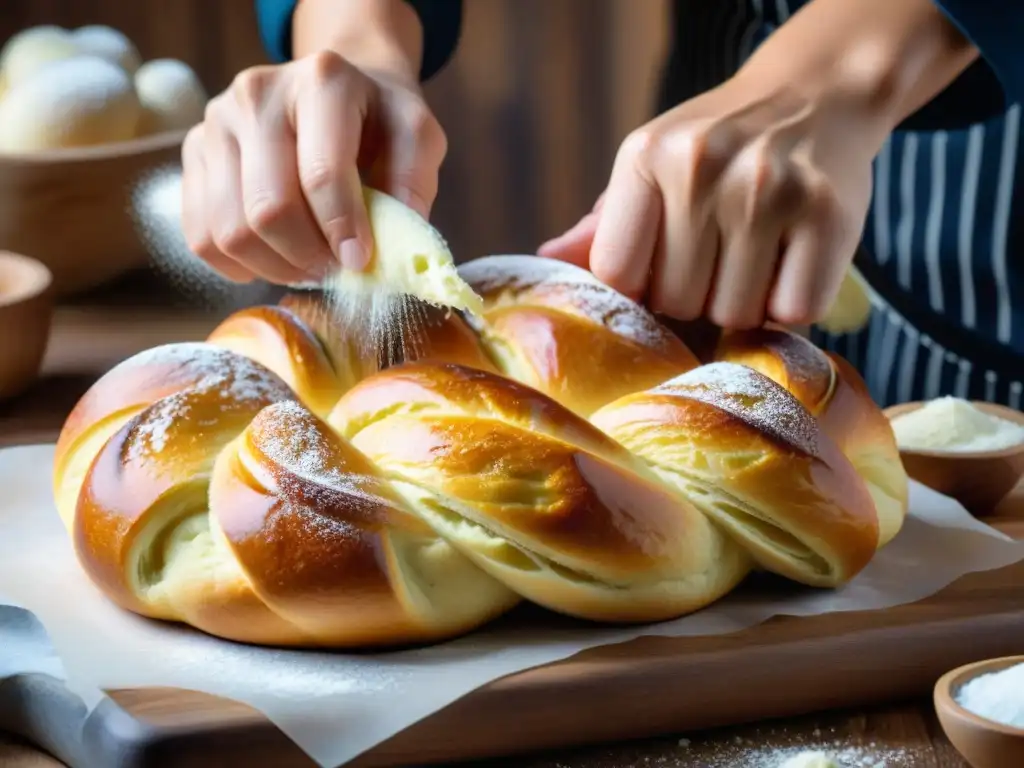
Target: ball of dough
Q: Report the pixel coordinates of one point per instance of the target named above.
(34, 49)
(172, 97)
(78, 102)
(109, 44)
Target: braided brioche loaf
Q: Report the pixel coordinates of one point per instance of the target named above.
(272, 486)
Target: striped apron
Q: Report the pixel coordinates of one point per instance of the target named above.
(942, 249)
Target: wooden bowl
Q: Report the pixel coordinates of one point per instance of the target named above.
(983, 743)
(70, 208)
(980, 480)
(26, 309)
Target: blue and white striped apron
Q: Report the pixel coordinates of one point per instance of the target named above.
(943, 251)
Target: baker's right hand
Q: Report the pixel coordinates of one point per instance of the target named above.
(272, 176)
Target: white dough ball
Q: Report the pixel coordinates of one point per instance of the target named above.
(109, 44)
(34, 49)
(77, 102)
(172, 97)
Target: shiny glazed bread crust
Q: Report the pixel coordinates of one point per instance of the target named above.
(278, 484)
(832, 390)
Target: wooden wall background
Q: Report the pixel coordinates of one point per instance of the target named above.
(535, 102)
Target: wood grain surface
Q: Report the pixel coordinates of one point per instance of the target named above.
(97, 332)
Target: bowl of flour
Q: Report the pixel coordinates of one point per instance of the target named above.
(970, 451)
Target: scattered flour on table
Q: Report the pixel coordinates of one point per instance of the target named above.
(777, 749)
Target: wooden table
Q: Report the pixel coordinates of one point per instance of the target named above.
(89, 337)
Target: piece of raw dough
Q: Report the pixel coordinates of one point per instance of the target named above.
(108, 43)
(410, 257)
(34, 49)
(77, 102)
(172, 97)
(852, 306)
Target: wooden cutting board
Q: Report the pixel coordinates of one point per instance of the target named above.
(784, 667)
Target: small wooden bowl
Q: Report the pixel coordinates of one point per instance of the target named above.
(979, 481)
(70, 208)
(26, 310)
(983, 743)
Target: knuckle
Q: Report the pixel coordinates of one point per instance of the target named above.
(641, 147)
(267, 213)
(236, 239)
(318, 174)
(327, 65)
(251, 86)
(216, 112)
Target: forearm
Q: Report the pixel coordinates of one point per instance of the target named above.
(886, 58)
(379, 35)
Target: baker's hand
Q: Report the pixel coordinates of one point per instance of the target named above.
(741, 205)
(271, 184)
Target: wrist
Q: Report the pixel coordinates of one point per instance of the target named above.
(377, 36)
(878, 61)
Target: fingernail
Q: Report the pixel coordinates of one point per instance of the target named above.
(352, 254)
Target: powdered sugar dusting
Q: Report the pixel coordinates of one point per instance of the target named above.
(299, 442)
(208, 368)
(202, 370)
(564, 286)
(751, 396)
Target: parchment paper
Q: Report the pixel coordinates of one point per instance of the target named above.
(336, 706)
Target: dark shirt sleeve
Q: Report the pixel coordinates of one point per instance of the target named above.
(441, 20)
(996, 28)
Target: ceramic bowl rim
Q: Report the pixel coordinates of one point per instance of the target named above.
(39, 278)
(950, 683)
(1002, 411)
(113, 150)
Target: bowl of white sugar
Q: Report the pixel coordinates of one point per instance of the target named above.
(970, 451)
(981, 709)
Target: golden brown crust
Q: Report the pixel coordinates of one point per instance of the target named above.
(298, 540)
(151, 474)
(439, 335)
(313, 526)
(277, 339)
(754, 460)
(540, 314)
(832, 390)
(516, 466)
(201, 484)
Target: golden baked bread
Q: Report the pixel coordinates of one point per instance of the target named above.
(559, 329)
(830, 388)
(275, 484)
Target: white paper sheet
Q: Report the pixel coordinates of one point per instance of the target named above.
(336, 706)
